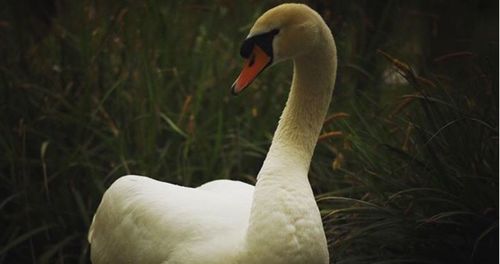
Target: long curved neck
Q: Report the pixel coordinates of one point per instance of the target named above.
(283, 206)
(301, 121)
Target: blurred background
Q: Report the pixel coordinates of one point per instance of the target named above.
(405, 171)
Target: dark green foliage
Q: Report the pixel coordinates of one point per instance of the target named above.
(430, 194)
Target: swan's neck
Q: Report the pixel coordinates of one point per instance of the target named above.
(301, 121)
(284, 215)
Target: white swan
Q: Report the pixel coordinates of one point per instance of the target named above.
(141, 220)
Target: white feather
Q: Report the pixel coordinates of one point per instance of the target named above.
(148, 221)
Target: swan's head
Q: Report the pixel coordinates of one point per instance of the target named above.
(284, 32)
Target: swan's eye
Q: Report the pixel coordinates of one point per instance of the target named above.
(264, 41)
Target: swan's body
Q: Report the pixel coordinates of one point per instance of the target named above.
(141, 220)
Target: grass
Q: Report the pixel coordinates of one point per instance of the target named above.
(89, 92)
(429, 194)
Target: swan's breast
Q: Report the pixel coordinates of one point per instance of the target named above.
(289, 228)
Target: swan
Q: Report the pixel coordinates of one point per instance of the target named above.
(141, 220)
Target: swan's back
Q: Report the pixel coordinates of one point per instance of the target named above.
(141, 220)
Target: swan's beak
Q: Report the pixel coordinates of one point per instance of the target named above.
(255, 64)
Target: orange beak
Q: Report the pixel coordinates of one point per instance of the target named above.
(256, 62)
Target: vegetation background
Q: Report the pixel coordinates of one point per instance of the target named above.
(406, 170)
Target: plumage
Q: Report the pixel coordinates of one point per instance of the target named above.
(141, 220)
